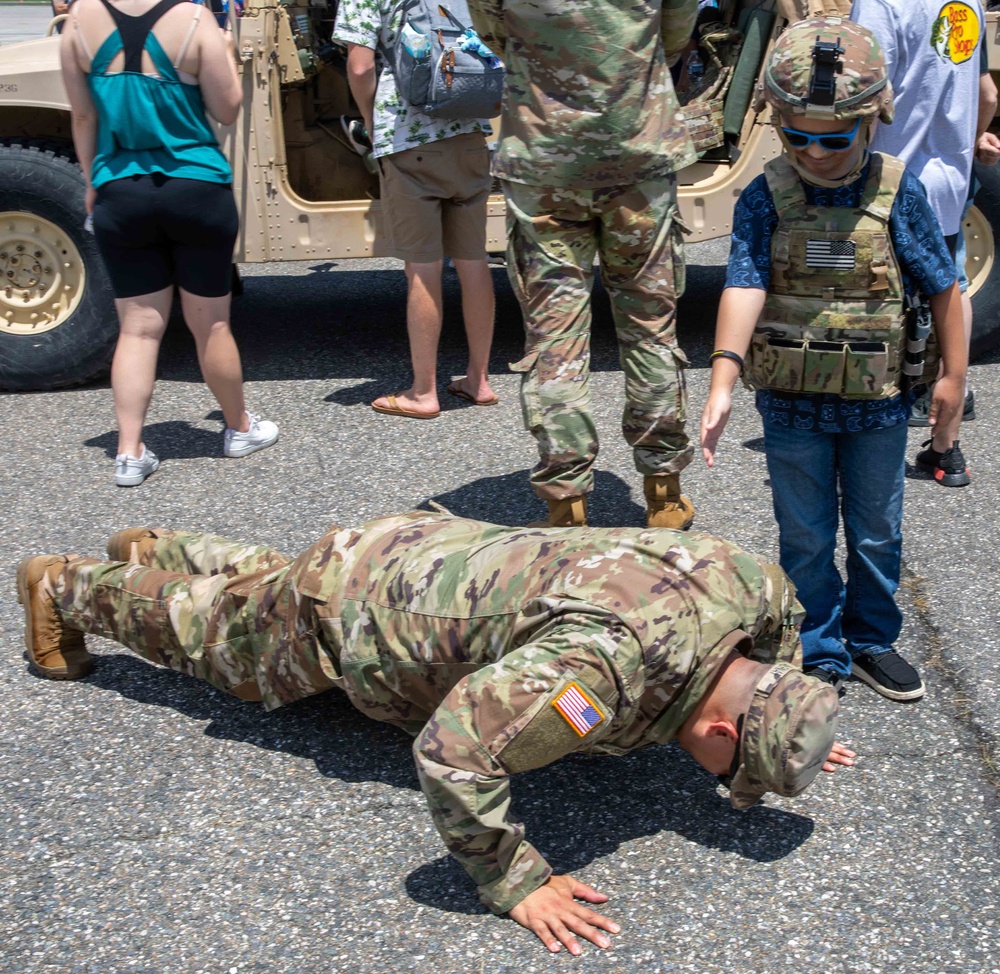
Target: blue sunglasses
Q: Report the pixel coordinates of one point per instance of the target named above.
(832, 142)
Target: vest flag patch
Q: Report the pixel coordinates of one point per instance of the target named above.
(836, 254)
(578, 709)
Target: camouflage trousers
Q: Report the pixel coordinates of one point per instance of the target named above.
(218, 610)
(553, 237)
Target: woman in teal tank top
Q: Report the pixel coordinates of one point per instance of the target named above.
(141, 75)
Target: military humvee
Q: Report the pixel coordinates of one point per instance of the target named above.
(304, 193)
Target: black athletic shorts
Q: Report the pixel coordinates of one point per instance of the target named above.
(156, 230)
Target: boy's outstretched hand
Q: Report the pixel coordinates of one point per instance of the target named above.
(713, 421)
(553, 914)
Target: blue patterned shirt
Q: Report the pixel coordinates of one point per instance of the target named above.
(925, 263)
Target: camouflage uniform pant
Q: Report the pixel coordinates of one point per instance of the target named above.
(554, 235)
(198, 604)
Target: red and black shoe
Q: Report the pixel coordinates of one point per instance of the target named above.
(948, 468)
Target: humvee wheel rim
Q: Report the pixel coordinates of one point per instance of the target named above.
(42, 274)
(979, 245)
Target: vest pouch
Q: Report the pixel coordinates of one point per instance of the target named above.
(823, 370)
(774, 363)
(866, 369)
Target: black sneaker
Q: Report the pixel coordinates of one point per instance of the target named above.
(357, 134)
(888, 674)
(920, 415)
(949, 468)
(828, 676)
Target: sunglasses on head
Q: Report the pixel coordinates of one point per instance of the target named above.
(832, 141)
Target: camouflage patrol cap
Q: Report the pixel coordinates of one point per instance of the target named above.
(788, 731)
(828, 67)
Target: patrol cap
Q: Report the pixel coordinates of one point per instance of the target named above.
(788, 732)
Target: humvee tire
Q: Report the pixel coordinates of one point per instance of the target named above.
(58, 324)
(982, 231)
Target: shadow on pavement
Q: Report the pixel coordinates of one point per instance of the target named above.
(577, 810)
(509, 499)
(584, 808)
(174, 439)
(352, 324)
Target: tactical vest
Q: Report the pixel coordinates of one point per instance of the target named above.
(833, 320)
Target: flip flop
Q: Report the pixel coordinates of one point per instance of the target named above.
(394, 409)
(456, 390)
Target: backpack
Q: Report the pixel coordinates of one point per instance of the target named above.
(441, 66)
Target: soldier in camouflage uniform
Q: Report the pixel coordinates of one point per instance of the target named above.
(590, 141)
(826, 243)
(501, 649)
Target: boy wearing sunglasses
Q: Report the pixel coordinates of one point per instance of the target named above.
(827, 244)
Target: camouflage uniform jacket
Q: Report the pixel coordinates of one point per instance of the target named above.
(589, 99)
(469, 635)
(833, 321)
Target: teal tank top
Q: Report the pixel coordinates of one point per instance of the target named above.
(149, 124)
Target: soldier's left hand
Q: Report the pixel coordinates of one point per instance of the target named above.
(839, 755)
(553, 914)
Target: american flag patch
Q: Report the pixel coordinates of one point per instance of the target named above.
(579, 710)
(836, 254)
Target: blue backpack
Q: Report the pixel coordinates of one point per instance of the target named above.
(441, 66)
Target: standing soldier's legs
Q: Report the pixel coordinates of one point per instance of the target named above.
(552, 239)
(642, 265)
(191, 552)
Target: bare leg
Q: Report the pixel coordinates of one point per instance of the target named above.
(143, 320)
(478, 310)
(424, 313)
(219, 358)
(967, 322)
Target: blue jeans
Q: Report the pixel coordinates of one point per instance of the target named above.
(805, 467)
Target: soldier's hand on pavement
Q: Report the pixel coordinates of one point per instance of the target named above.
(839, 755)
(713, 421)
(553, 914)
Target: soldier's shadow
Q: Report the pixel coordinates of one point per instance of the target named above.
(577, 810)
(507, 499)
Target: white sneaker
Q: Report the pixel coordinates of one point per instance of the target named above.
(262, 433)
(131, 471)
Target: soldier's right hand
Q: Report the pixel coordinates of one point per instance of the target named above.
(553, 914)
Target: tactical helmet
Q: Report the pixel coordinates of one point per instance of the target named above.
(828, 67)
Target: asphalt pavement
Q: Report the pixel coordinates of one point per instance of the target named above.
(152, 824)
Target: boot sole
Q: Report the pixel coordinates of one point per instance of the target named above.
(900, 695)
(24, 598)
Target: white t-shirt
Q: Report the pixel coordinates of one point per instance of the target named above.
(931, 50)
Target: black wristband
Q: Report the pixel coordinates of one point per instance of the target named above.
(725, 353)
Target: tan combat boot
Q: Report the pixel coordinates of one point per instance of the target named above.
(567, 512)
(56, 651)
(130, 545)
(666, 506)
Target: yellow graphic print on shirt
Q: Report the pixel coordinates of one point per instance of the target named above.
(955, 33)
